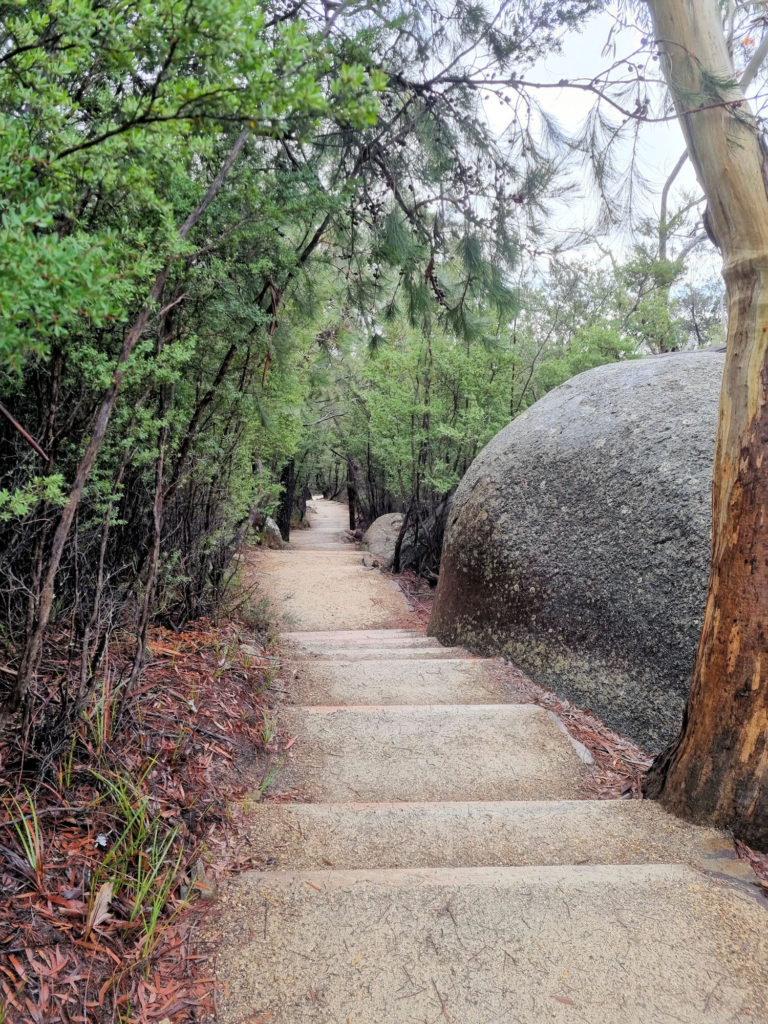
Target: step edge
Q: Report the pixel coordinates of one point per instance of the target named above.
(330, 878)
(442, 708)
(512, 805)
(398, 661)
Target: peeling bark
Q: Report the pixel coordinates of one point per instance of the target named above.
(716, 770)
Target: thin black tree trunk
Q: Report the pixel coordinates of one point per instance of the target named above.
(284, 512)
(132, 337)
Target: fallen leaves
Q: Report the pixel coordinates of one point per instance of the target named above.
(758, 862)
(99, 911)
(620, 764)
(419, 595)
(72, 949)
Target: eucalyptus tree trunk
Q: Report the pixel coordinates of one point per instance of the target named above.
(717, 768)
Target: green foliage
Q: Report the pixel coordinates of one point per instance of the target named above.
(97, 154)
(366, 235)
(583, 315)
(116, 120)
(143, 860)
(27, 828)
(590, 346)
(424, 409)
(19, 503)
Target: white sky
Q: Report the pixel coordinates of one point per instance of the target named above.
(660, 144)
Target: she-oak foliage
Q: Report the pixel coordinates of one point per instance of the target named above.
(244, 192)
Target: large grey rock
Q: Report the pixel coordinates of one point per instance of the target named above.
(380, 538)
(270, 534)
(578, 541)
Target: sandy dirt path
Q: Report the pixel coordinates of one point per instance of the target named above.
(319, 582)
(424, 853)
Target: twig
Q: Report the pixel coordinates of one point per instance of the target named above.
(170, 305)
(22, 431)
(442, 1001)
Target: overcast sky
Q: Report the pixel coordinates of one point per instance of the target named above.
(660, 145)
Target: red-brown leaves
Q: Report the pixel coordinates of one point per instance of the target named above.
(80, 941)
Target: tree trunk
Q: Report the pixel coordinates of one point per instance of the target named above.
(303, 500)
(400, 538)
(716, 770)
(133, 335)
(167, 392)
(354, 492)
(285, 509)
(351, 499)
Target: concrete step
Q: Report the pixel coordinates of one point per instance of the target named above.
(325, 531)
(314, 543)
(435, 878)
(636, 944)
(342, 561)
(399, 652)
(433, 752)
(395, 681)
(456, 834)
(325, 638)
(382, 643)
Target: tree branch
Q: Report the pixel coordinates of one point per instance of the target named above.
(754, 65)
(23, 432)
(663, 226)
(132, 338)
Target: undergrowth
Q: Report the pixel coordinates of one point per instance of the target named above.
(102, 860)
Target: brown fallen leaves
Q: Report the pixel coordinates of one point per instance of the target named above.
(759, 862)
(619, 762)
(100, 863)
(418, 593)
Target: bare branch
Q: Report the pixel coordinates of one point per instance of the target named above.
(754, 65)
(22, 431)
(663, 226)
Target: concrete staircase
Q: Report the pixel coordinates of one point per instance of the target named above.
(426, 856)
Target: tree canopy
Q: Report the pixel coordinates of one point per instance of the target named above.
(247, 249)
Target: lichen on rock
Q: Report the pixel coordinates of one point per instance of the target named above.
(578, 541)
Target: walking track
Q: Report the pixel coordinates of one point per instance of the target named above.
(430, 857)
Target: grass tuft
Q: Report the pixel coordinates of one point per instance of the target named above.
(102, 857)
